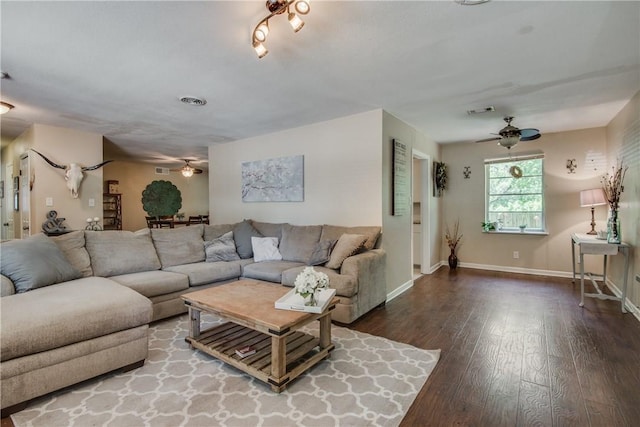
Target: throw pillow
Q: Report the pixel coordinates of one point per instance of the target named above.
(265, 249)
(322, 252)
(222, 248)
(73, 247)
(34, 263)
(347, 245)
(242, 234)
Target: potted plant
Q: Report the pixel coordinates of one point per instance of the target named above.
(488, 226)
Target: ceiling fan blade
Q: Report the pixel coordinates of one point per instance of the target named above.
(529, 134)
(489, 139)
(197, 171)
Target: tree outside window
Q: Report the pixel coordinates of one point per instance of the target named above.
(515, 194)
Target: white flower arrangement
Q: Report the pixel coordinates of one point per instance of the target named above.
(309, 282)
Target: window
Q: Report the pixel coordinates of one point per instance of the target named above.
(515, 193)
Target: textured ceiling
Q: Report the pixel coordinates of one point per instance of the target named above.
(118, 68)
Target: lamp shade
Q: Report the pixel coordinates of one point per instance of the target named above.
(593, 197)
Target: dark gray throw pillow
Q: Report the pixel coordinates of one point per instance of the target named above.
(242, 234)
(35, 262)
(322, 252)
(222, 248)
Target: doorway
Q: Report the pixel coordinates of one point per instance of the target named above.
(7, 203)
(421, 205)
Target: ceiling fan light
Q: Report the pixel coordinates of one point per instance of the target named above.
(296, 22)
(261, 51)
(5, 107)
(261, 32)
(509, 141)
(302, 7)
(187, 171)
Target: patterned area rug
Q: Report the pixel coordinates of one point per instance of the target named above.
(367, 381)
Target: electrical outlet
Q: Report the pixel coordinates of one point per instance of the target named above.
(92, 203)
(516, 254)
(48, 201)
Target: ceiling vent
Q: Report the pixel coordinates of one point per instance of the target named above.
(192, 100)
(162, 171)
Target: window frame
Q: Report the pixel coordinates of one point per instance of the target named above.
(521, 157)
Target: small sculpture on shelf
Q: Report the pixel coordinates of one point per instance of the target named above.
(92, 224)
(53, 225)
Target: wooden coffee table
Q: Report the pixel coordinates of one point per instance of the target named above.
(282, 351)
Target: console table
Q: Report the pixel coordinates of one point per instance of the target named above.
(590, 245)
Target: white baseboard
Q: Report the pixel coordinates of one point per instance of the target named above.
(631, 307)
(397, 291)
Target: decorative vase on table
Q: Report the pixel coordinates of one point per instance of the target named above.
(311, 299)
(453, 260)
(614, 232)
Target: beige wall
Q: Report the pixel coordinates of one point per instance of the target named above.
(342, 176)
(623, 142)
(397, 229)
(61, 146)
(133, 178)
(464, 199)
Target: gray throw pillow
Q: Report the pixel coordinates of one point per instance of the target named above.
(347, 245)
(322, 252)
(242, 234)
(34, 263)
(222, 248)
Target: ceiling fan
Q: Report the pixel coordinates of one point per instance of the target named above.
(187, 170)
(509, 135)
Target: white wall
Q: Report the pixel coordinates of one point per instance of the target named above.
(342, 173)
(623, 142)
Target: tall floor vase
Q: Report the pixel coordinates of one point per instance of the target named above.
(453, 260)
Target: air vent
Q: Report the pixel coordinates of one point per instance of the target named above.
(162, 171)
(488, 109)
(192, 100)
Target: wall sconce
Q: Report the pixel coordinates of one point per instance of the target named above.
(466, 172)
(589, 199)
(278, 7)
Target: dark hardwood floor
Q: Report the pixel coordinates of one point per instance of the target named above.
(516, 350)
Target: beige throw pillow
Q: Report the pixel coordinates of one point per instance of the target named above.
(347, 245)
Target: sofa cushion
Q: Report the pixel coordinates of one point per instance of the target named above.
(222, 248)
(7, 286)
(271, 271)
(333, 232)
(35, 262)
(177, 246)
(73, 247)
(153, 283)
(268, 229)
(322, 252)
(345, 285)
(299, 241)
(242, 234)
(265, 249)
(67, 313)
(214, 231)
(203, 273)
(347, 245)
(117, 252)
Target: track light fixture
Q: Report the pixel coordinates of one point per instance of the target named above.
(278, 7)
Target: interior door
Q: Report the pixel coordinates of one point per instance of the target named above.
(7, 232)
(25, 196)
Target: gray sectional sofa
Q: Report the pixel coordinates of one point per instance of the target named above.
(78, 305)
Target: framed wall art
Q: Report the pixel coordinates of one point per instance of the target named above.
(273, 180)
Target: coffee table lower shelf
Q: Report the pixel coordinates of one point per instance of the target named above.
(302, 352)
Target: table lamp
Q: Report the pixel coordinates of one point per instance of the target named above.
(592, 198)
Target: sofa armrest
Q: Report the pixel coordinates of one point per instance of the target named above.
(7, 287)
(369, 268)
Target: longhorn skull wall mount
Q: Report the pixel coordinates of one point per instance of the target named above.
(73, 173)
